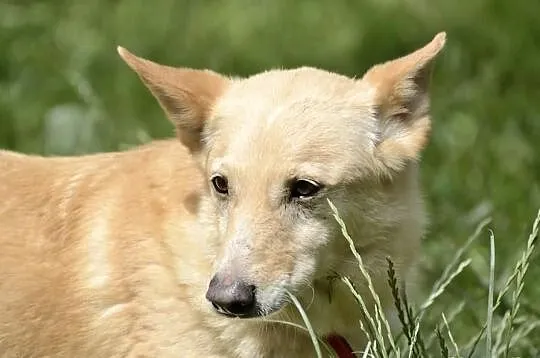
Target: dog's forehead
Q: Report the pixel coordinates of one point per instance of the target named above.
(291, 85)
(304, 101)
(299, 120)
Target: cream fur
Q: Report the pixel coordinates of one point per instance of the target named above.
(110, 255)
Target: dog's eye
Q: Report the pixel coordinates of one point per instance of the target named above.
(221, 184)
(304, 188)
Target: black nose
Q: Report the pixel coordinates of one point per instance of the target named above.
(231, 297)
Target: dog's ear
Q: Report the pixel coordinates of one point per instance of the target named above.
(186, 95)
(401, 103)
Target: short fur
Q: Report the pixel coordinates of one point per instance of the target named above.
(110, 255)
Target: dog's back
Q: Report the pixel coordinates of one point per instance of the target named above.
(37, 254)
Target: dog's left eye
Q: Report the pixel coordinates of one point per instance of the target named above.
(304, 188)
(221, 184)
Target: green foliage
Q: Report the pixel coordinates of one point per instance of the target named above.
(64, 90)
(518, 339)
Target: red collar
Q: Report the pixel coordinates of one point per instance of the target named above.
(340, 345)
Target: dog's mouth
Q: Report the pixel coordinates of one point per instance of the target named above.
(254, 313)
(236, 313)
(263, 306)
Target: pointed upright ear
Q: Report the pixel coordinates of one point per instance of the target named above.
(186, 95)
(401, 103)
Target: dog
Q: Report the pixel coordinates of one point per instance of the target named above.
(195, 246)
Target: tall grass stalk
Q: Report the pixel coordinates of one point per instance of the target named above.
(310, 329)
(518, 274)
(521, 271)
(489, 321)
(379, 310)
(450, 336)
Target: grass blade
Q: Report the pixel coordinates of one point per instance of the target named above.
(489, 323)
(379, 311)
(312, 334)
(451, 337)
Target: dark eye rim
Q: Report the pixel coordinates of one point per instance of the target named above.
(315, 189)
(220, 189)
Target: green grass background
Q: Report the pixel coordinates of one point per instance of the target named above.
(64, 90)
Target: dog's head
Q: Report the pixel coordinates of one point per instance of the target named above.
(275, 146)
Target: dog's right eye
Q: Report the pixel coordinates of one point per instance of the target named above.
(221, 184)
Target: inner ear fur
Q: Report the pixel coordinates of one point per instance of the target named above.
(401, 103)
(186, 95)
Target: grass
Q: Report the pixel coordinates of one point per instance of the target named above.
(63, 90)
(512, 337)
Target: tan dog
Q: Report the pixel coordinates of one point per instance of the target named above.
(187, 248)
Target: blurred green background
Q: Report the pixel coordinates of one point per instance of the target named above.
(64, 90)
